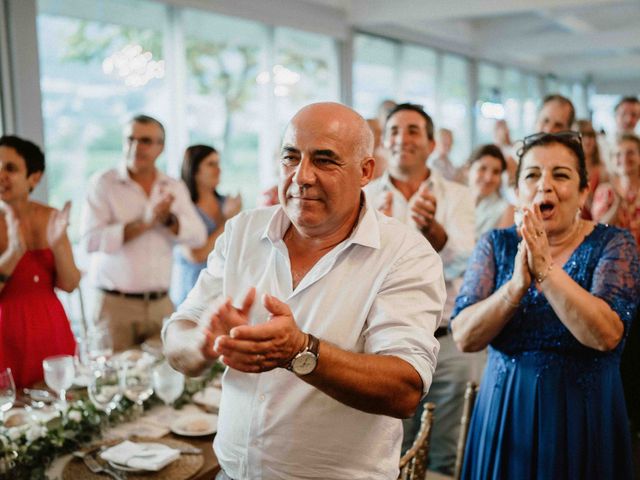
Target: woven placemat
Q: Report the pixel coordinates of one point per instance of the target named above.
(185, 467)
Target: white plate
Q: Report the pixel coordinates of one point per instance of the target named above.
(195, 425)
(209, 398)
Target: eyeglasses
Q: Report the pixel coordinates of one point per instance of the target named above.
(569, 135)
(147, 141)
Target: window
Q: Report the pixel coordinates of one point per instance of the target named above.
(374, 73)
(490, 105)
(418, 79)
(87, 92)
(531, 101)
(454, 111)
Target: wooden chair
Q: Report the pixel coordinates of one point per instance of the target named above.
(413, 464)
(470, 394)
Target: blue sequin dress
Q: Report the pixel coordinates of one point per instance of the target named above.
(548, 406)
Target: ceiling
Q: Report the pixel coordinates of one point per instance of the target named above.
(597, 40)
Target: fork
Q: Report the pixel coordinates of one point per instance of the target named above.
(93, 465)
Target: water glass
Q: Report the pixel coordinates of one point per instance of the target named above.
(99, 345)
(136, 380)
(105, 388)
(167, 383)
(7, 392)
(59, 372)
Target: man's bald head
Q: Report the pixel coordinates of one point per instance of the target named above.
(337, 119)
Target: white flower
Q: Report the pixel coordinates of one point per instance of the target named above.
(35, 432)
(75, 416)
(14, 433)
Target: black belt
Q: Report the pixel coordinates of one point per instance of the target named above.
(139, 296)
(441, 332)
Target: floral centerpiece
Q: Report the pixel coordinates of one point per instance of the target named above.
(26, 450)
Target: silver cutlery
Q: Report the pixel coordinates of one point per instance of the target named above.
(92, 464)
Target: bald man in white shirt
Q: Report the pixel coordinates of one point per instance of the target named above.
(340, 344)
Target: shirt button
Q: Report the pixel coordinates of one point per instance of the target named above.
(261, 398)
(36, 278)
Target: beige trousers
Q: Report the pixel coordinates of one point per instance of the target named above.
(130, 321)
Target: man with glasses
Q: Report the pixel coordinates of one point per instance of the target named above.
(443, 212)
(133, 216)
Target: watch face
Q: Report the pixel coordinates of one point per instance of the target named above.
(304, 363)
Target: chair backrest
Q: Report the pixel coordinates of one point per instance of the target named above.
(413, 464)
(469, 400)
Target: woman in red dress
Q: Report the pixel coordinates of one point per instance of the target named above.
(35, 257)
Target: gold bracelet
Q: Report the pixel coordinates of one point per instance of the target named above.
(541, 277)
(505, 298)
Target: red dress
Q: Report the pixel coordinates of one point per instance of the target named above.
(33, 324)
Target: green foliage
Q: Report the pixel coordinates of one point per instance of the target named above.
(26, 451)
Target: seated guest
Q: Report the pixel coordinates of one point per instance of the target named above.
(618, 202)
(35, 257)
(133, 217)
(201, 174)
(486, 166)
(554, 300)
(595, 169)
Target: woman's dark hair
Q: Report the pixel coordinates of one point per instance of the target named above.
(569, 140)
(490, 150)
(585, 127)
(193, 157)
(29, 151)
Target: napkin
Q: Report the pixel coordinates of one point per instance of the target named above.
(144, 456)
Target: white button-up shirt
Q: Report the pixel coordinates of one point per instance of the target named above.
(142, 264)
(455, 211)
(380, 291)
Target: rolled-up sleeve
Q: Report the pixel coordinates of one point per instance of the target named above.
(407, 310)
(100, 231)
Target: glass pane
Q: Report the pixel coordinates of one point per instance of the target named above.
(513, 105)
(454, 106)
(531, 101)
(224, 102)
(490, 106)
(418, 79)
(374, 68)
(95, 75)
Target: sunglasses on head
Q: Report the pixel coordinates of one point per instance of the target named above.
(570, 135)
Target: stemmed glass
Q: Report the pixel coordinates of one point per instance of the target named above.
(7, 392)
(99, 345)
(59, 372)
(105, 388)
(167, 383)
(136, 380)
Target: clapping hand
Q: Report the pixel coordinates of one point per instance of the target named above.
(534, 235)
(222, 319)
(423, 207)
(263, 347)
(161, 208)
(57, 225)
(16, 244)
(232, 206)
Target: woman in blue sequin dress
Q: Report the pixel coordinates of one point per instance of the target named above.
(554, 300)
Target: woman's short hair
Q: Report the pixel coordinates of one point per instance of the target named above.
(570, 140)
(193, 157)
(29, 151)
(490, 150)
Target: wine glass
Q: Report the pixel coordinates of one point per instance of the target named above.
(59, 372)
(137, 381)
(7, 392)
(167, 383)
(99, 345)
(105, 389)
